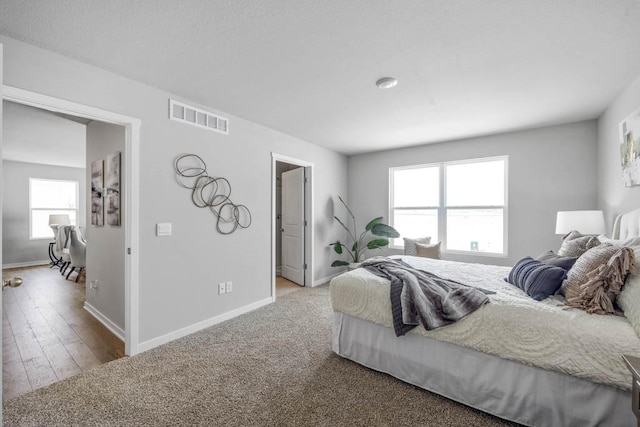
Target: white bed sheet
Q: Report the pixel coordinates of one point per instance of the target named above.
(512, 326)
(514, 391)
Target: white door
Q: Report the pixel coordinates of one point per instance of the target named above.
(293, 225)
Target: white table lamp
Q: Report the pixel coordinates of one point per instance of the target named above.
(586, 222)
(59, 219)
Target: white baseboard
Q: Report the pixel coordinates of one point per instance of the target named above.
(117, 330)
(26, 264)
(278, 270)
(155, 342)
(324, 280)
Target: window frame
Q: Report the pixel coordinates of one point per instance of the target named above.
(32, 209)
(443, 208)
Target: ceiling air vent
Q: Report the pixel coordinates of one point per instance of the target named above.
(194, 116)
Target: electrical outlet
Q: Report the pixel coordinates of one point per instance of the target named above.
(221, 288)
(93, 284)
(229, 286)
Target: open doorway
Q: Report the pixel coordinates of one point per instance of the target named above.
(292, 238)
(100, 125)
(54, 325)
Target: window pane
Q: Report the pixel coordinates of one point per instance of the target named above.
(475, 230)
(40, 222)
(415, 223)
(475, 184)
(416, 187)
(53, 194)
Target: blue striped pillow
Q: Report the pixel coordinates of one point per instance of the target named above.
(538, 280)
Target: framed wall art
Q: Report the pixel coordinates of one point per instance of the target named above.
(112, 188)
(97, 184)
(630, 149)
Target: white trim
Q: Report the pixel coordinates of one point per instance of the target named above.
(115, 329)
(324, 280)
(26, 264)
(132, 182)
(278, 270)
(171, 336)
(308, 216)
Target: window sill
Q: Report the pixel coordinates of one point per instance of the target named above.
(465, 253)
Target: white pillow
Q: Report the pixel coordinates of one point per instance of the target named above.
(629, 300)
(632, 242)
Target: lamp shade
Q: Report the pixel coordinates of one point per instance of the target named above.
(60, 219)
(586, 222)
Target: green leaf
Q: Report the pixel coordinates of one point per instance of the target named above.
(372, 223)
(354, 247)
(338, 263)
(337, 247)
(377, 243)
(346, 206)
(384, 230)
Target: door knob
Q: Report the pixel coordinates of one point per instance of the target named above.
(12, 283)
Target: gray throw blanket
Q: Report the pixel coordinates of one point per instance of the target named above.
(421, 297)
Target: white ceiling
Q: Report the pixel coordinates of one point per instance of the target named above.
(33, 135)
(308, 67)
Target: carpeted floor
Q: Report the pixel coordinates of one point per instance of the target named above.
(271, 367)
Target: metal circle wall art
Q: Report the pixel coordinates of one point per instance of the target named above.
(211, 193)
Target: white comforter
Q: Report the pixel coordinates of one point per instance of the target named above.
(513, 326)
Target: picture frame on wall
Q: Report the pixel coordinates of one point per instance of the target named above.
(630, 149)
(112, 189)
(97, 185)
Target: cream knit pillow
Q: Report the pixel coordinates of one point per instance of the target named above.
(428, 251)
(597, 277)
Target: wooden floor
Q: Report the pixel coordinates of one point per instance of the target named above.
(284, 286)
(46, 334)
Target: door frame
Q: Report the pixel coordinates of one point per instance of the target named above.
(308, 216)
(132, 182)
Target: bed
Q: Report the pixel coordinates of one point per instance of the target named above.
(535, 363)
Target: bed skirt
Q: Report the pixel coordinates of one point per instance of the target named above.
(514, 391)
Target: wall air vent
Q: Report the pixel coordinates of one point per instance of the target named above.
(194, 116)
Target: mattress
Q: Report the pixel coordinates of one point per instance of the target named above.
(513, 326)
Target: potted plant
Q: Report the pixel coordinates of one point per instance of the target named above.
(360, 244)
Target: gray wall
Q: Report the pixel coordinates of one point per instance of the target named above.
(550, 169)
(105, 244)
(15, 214)
(179, 274)
(613, 197)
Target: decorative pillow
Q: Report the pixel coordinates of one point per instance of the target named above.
(410, 244)
(536, 279)
(632, 242)
(428, 251)
(575, 244)
(629, 301)
(597, 278)
(564, 262)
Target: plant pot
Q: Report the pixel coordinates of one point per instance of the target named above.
(354, 265)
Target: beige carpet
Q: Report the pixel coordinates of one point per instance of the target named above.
(271, 367)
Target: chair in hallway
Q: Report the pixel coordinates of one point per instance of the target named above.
(77, 252)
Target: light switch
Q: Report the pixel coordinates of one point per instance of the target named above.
(163, 229)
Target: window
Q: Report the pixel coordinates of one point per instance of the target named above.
(47, 197)
(462, 204)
